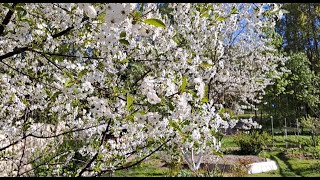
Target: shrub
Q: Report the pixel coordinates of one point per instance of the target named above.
(252, 143)
(240, 168)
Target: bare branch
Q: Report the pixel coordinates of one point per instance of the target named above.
(64, 55)
(24, 143)
(14, 52)
(7, 19)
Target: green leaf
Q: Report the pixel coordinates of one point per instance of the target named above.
(7, 5)
(124, 61)
(82, 73)
(206, 65)
(184, 83)
(192, 93)
(220, 19)
(234, 10)
(123, 34)
(171, 107)
(55, 95)
(205, 97)
(124, 41)
(68, 74)
(69, 83)
(21, 12)
(20, 4)
(174, 125)
(129, 101)
(205, 15)
(100, 66)
(155, 22)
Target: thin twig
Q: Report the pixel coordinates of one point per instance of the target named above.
(24, 143)
(146, 73)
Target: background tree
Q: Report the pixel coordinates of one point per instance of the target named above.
(297, 91)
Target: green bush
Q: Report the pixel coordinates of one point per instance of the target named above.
(253, 143)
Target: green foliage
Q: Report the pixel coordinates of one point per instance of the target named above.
(184, 83)
(311, 123)
(252, 143)
(155, 22)
(124, 41)
(129, 101)
(145, 169)
(293, 89)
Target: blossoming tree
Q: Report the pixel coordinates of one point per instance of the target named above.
(84, 87)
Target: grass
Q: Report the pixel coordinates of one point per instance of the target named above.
(279, 141)
(228, 142)
(291, 167)
(150, 168)
(288, 166)
(252, 115)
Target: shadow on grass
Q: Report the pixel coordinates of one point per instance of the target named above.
(285, 159)
(285, 168)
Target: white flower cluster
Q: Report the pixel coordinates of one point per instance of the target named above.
(120, 81)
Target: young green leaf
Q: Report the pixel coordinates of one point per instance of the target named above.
(205, 98)
(82, 73)
(124, 41)
(123, 34)
(220, 19)
(155, 22)
(124, 61)
(69, 83)
(234, 10)
(129, 101)
(184, 83)
(68, 74)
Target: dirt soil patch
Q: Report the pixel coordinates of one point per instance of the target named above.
(233, 159)
(227, 162)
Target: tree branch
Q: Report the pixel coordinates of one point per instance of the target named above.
(23, 49)
(30, 77)
(7, 19)
(96, 155)
(62, 32)
(64, 55)
(67, 132)
(146, 73)
(44, 55)
(138, 162)
(14, 52)
(46, 137)
(42, 164)
(24, 143)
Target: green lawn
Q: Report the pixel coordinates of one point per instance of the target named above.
(151, 168)
(291, 167)
(287, 166)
